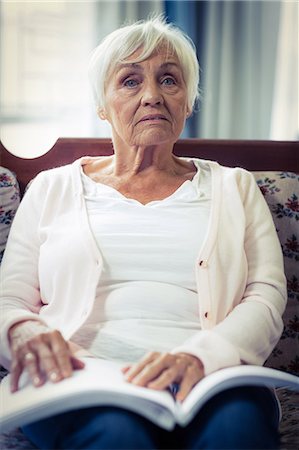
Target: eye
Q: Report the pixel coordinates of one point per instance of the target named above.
(130, 83)
(168, 81)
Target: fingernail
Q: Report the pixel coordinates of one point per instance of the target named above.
(53, 376)
(36, 381)
(179, 398)
(137, 382)
(66, 373)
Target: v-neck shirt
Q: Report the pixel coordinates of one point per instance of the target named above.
(147, 296)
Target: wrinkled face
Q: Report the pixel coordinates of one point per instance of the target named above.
(146, 102)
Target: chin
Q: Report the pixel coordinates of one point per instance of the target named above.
(154, 138)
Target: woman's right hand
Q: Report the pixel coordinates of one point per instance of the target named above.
(42, 352)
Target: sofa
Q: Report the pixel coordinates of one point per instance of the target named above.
(275, 166)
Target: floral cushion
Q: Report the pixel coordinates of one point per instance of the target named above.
(281, 191)
(9, 202)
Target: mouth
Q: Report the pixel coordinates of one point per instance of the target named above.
(152, 117)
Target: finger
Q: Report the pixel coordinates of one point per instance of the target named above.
(17, 367)
(66, 360)
(77, 364)
(167, 377)
(31, 364)
(64, 355)
(190, 379)
(154, 369)
(61, 353)
(126, 369)
(24, 359)
(135, 369)
(46, 358)
(16, 370)
(184, 389)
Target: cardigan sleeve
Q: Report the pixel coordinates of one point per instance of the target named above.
(19, 285)
(249, 331)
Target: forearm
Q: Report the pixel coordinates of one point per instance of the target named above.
(247, 335)
(9, 317)
(19, 286)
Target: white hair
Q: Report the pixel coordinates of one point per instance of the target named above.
(146, 36)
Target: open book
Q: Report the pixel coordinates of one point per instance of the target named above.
(102, 383)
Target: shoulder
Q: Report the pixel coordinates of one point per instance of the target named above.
(51, 190)
(231, 181)
(54, 178)
(241, 177)
(242, 181)
(238, 174)
(56, 172)
(67, 172)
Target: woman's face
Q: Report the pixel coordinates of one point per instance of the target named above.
(146, 102)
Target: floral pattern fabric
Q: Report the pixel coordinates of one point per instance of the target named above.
(9, 202)
(281, 191)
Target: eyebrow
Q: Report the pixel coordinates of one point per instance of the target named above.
(139, 67)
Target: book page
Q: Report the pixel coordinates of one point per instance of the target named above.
(99, 383)
(227, 378)
(102, 383)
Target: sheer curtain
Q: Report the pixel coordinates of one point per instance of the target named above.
(248, 51)
(237, 43)
(285, 118)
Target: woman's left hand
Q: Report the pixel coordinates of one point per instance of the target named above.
(159, 370)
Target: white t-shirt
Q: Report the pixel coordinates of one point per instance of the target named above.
(146, 297)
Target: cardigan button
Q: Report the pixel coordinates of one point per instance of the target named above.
(208, 315)
(203, 263)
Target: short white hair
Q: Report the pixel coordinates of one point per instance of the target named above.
(147, 36)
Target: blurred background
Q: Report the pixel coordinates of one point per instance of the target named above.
(247, 50)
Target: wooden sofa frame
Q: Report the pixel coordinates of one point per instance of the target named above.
(251, 155)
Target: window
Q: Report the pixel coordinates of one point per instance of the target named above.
(45, 49)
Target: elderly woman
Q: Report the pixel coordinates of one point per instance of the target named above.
(96, 263)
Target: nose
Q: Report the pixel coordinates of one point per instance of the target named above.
(151, 94)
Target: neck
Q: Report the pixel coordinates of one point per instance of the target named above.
(138, 159)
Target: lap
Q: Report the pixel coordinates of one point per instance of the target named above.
(110, 427)
(239, 418)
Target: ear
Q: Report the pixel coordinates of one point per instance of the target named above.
(188, 113)
(102, 114)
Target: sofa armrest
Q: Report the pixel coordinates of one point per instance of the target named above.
(281, 191)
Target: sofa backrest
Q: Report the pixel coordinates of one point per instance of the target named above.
(249, 154)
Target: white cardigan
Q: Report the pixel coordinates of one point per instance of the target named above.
(52, 266)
